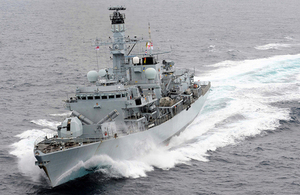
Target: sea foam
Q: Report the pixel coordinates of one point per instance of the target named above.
(272, 46)
(23, 149)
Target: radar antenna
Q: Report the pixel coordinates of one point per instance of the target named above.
(117, 17)
(117, 8)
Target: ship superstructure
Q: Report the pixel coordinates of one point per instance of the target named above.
(139, 99)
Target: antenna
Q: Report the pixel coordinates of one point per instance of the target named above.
(97, 48)
(149, 44)
(117, 8)
(149, 32)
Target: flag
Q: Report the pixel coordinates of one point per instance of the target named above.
(151, 45)
(97, 48)
(148, 45)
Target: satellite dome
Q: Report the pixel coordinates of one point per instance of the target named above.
(102, 73)
(92, 76)
(135, 60)
(150, 73)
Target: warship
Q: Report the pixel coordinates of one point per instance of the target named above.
(121, 109)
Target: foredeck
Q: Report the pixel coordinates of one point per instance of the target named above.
(55, 144)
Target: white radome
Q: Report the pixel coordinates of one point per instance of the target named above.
(92, 76)
(102, 73)
(150, 73)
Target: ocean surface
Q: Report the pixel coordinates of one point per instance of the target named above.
(245, 141)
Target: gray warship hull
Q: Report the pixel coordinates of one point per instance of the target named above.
(63, 166)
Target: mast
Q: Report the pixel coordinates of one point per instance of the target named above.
(118, 47)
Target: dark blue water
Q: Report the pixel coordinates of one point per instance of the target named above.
(244, 142)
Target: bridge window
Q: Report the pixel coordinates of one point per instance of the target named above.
(104, 97)
(97, 97)
(111, 96)
(83, 97)
(118, 95)
(90, 97)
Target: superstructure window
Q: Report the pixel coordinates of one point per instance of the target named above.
(149, 60)
(97, 97)
(104, 97)
(118, 95)
(90, 98)
(83, 97)
(111, 96)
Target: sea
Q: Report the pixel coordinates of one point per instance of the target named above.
(246, 139)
